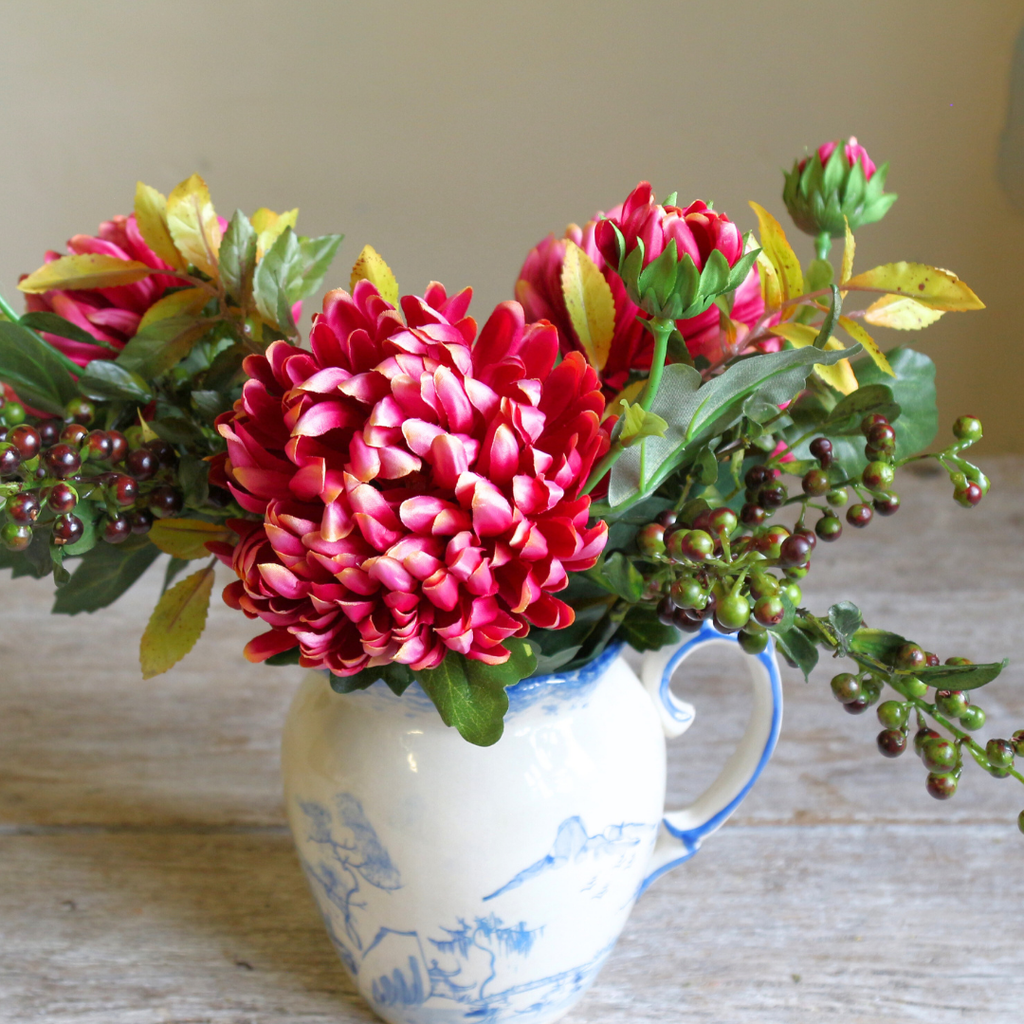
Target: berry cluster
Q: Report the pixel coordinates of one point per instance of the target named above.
(48, 467)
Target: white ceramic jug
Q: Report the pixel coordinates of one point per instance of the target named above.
(462, 883)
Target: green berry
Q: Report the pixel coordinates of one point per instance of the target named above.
(796, 572)
(967, 428)
(922, 736)
(771, 541)
(815, 482)
(942, 786)
(973, 718)
(838, 498)
(793, 593)
(892, 714)
(80, 410)
(753, 643)
(910, 686)
(15, 536)
(650, 540)
(1018, 741)
(846, 688)
(878, 476)
(723, 522)
(828, 527)
(761, 585)
(999, 753)
(939, 755)
(871, 689)
(951, 702)
(910, 657)
(13, 414)
(1020, 821)
(733, 611)
(688, 593)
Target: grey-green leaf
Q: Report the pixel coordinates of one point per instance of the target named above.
(237, 257)
(104, 574)
(105, 379)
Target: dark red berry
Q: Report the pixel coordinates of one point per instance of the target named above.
(67, 529)
(828, 528)
(62, 498)
(125, 489)
(140, 519)
(808, 535)
(757, 475)
(24, 507)
(687, 620)
(97, 446)
(117, 530)
(752, 515)
(856, 707)
(81, 410)
(816, 483)
(118, 446)
(772, 496)
(968, 495)
(910, 657)
(942, 787)
(49, 432)
(769, 611)
(794, 550)
(666, 612)
(887, 506)
(891, 742)
(62, 461)
(873, 420)
(859, 515)
(10, 458)
(164, 451)
(922, 736)
(931, 660)
(74, 434)
(26, 439)
(821, 449)
(142, 463)
(666, 518)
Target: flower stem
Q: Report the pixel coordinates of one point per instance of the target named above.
(822, 245)
(662, 329)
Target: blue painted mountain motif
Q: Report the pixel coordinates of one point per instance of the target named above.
(486, 968)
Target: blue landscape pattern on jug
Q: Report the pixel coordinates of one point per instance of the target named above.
(478, 968)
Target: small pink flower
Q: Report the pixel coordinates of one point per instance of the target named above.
(419, 485)
(854, 152)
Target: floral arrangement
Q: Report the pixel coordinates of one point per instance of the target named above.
(414, 497)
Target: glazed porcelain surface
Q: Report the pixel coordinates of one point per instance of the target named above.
(461, 883)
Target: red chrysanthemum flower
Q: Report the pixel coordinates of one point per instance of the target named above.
(108, 314)
(420, 490)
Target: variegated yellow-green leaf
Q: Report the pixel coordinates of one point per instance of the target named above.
(799, 334)
(629, 394)
(849, 248)
(269, 226)
(192, 222)
(901, 313)
(932, 286)
(176, 624)
(148, 433)
(777, 248)
(855, 331)
(590, 304)
(151, 219)
(371, 267)
(89, 270)
(639, 423)
(839, 375)
(771, 290)
(187, 302)
(186, 538)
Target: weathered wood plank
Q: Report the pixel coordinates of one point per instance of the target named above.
(781, 924)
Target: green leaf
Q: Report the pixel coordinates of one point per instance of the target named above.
(104, 379)
(271, 281)
(845, 618)
(210, 404)
(828, 325)
(794, 646)
(52, 323)
(34, 369)
(644, 631)
(177, 430)
(176, 624)
(34, 561)
(619, 576)
(162, 345)
(705, 466)
(289, 657)
(878, 644)
(88, 513)
(193, 476)
(315, 258)
(846, 417)
(226, 366)
(961, 677)
(696, 413)
(237, 256)
(104, 574)
(61, 577)
(789, 615)
(471, 696)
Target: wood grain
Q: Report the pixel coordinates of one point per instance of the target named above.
(146, 875)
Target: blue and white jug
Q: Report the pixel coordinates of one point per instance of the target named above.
(468, 884)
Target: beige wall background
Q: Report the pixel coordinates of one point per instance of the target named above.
(453, 135)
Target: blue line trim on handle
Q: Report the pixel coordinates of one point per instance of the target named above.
(691, 838)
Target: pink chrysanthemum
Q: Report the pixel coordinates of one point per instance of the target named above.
(420, 490)
(108, 314)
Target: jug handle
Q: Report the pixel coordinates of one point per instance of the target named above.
(682, 831)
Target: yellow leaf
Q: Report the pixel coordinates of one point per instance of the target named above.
(848, 250)
(630, 393)
(590, 304)
(800, 335)
(269, 226)
(192, 222)
(151, 219)
(90, 270)
(932, 286)
(777, 248)
(187, 302)
(638, 424)
(176, 623)
(148, 433)
(186, 538)
(371, 267)
(858, 333)
(901, 313)
(839, 375)
(771, 290)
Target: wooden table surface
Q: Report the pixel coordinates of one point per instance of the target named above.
(146, 874)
